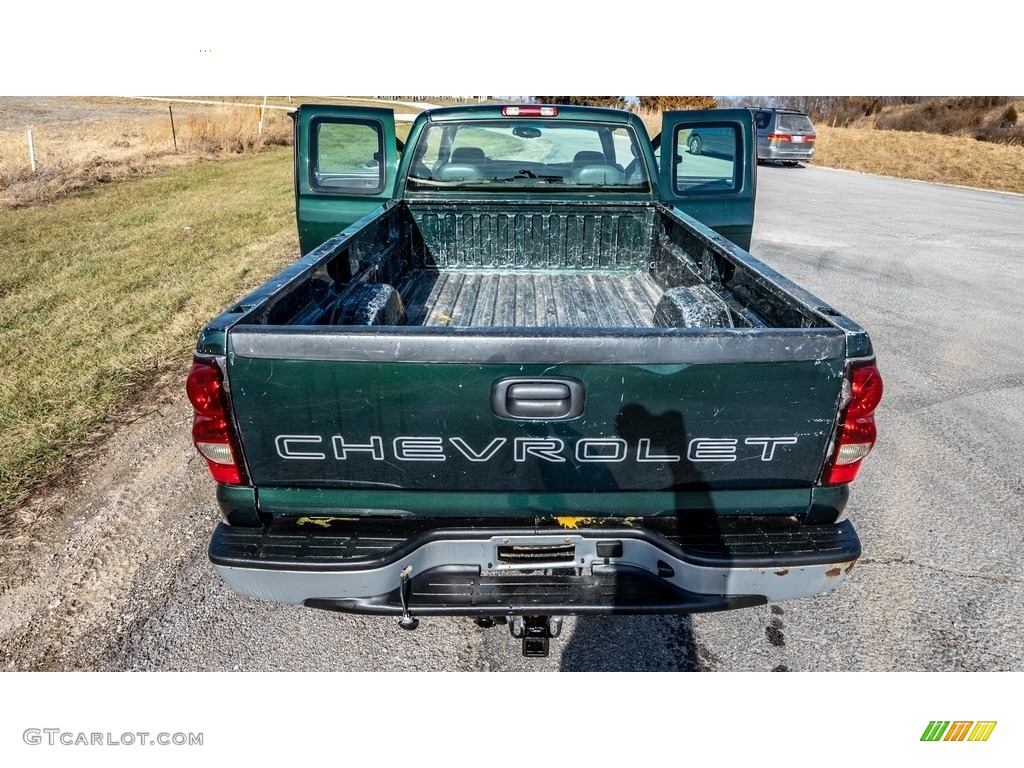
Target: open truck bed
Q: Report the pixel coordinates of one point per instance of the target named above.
(561, 265)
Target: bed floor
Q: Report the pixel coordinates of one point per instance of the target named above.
(532, 300)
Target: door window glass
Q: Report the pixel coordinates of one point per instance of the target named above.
(705, 159)
(347, 156)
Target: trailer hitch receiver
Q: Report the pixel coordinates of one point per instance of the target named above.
(535, 632)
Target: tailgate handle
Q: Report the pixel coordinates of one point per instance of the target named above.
(546, 398)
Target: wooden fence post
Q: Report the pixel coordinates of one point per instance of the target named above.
(173, 134)
(31, 151)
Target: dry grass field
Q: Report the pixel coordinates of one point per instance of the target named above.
(81, 142)
(956, 160)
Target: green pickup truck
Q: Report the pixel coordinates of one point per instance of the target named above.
(525, 368)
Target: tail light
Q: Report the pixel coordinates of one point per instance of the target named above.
(856, 435)
(779, 137)
(210, 430)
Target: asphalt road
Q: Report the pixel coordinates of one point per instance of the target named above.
(935, 275)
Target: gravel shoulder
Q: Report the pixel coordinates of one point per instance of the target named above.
(98, 553)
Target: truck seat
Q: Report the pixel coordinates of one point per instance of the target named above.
(464, 163)
(593, 168)
(586, 158)
(457, 172)
(469, 156)
(598, 175)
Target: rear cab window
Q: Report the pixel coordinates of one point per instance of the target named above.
(527, 155)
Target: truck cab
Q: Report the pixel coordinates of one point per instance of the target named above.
(522, 149)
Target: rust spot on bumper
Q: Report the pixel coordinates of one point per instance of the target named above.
(833, 572)
(783, 572)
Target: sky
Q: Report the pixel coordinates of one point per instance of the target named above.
(113, 47)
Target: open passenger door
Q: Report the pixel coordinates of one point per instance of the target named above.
(708, 168)
(346, 163)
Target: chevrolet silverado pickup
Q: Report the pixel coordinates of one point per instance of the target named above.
(525, 368)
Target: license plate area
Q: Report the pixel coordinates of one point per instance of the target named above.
(521, 554)
(536, 555)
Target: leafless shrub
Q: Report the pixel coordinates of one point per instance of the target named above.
(667, 103)
(954, 116)
(233, 132)
(585, 101)
(1004, 129)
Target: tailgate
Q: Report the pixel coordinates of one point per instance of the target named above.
(415, 409)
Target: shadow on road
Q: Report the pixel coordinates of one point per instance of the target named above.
(788, 165)
(632, 644)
